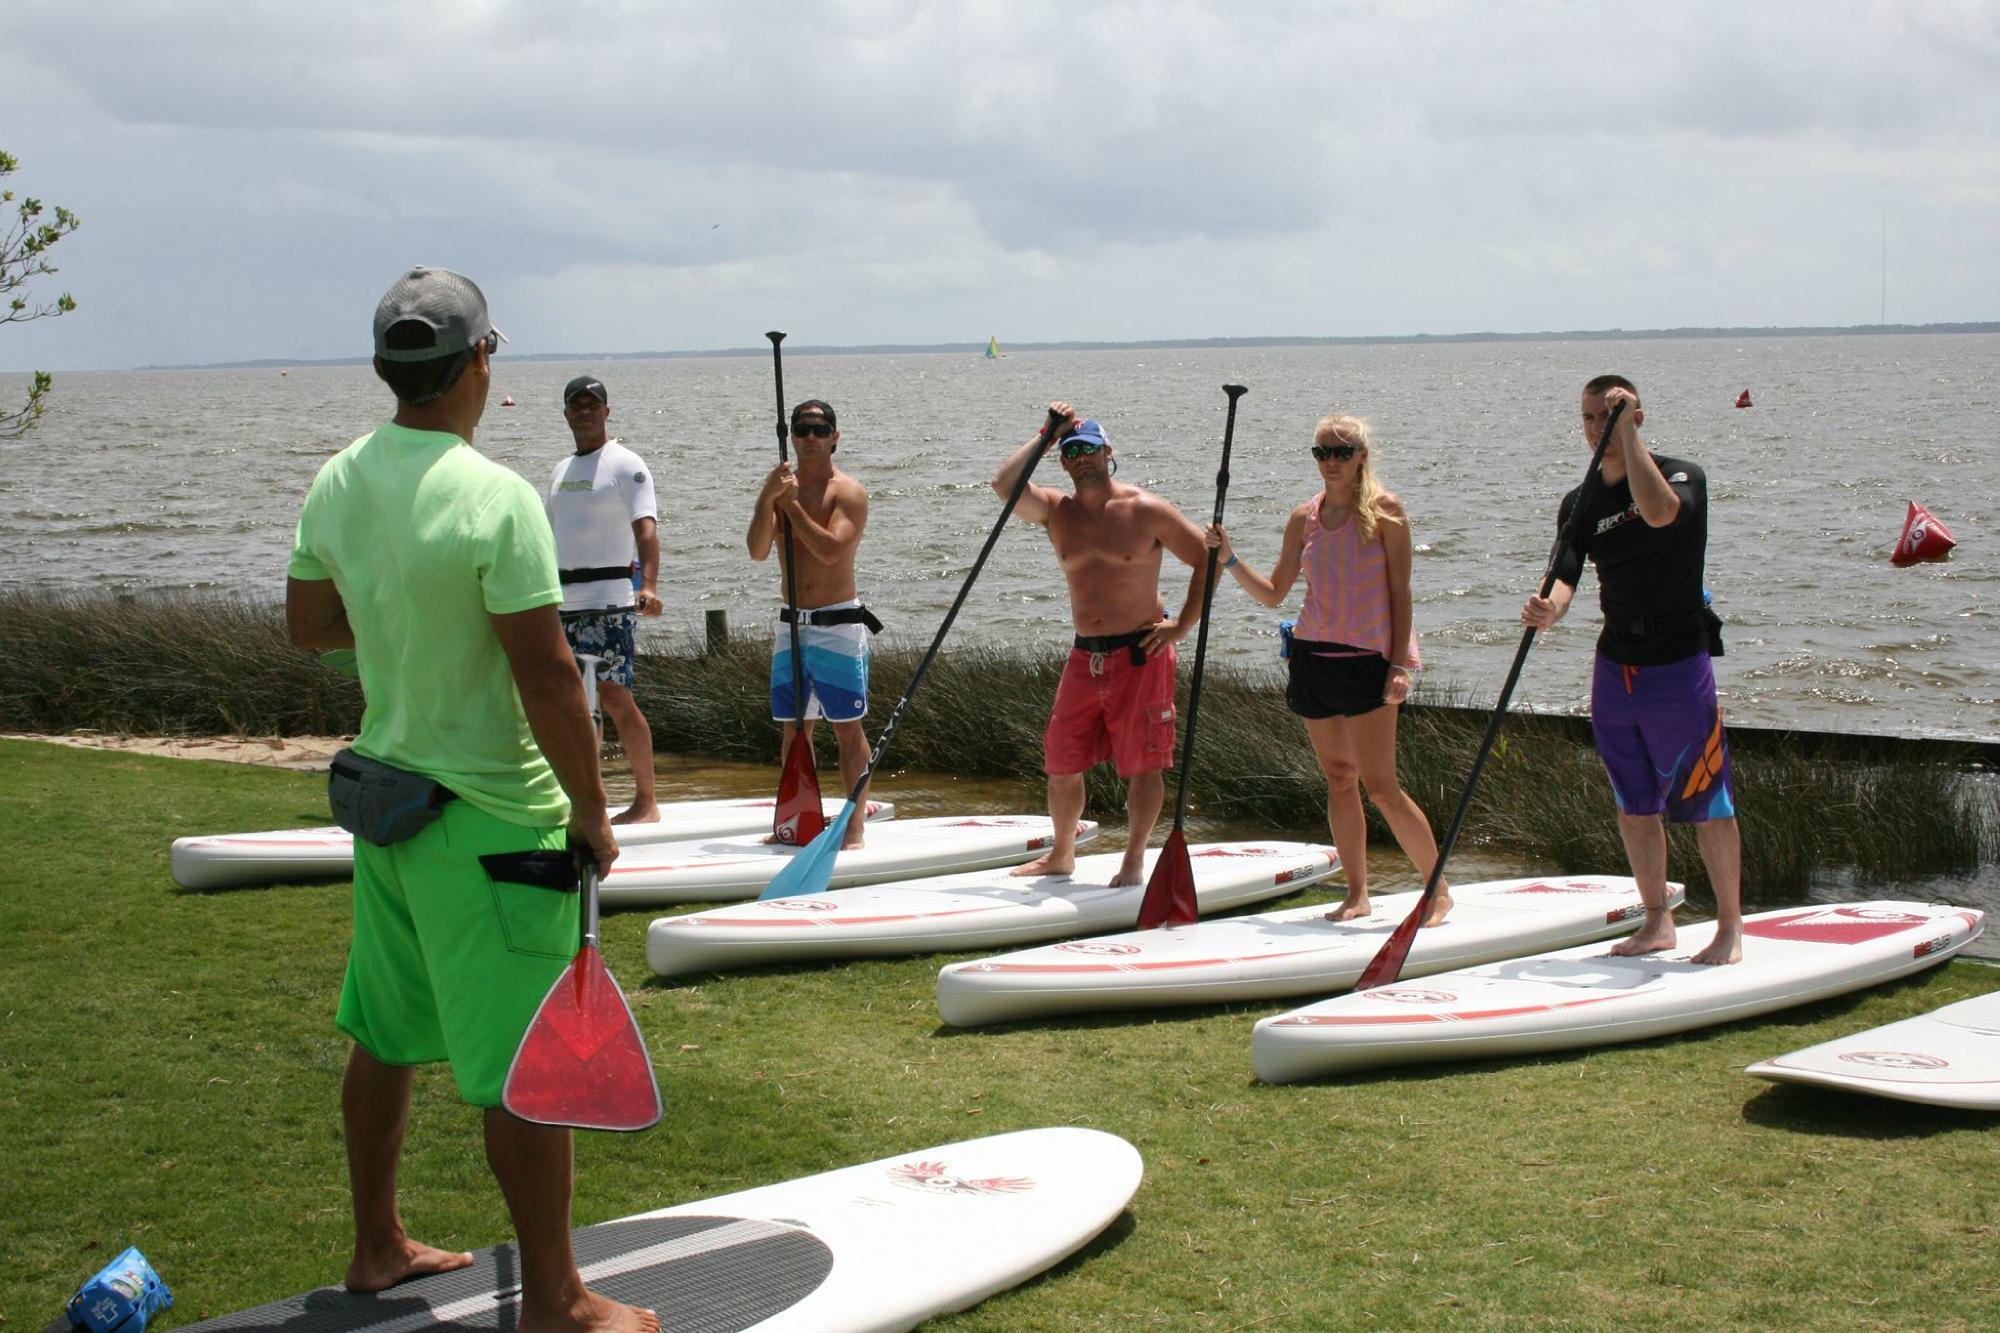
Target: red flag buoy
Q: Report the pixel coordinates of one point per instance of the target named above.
(1924, 538)
(1743, 399)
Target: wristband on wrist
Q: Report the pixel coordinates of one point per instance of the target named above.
(1230, 563)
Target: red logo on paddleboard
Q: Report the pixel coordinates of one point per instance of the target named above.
(1896, 1059)
(1405, 995)
(803, 904)
(1236, 851)
(936, 1178)
(1929, 947)
(1574, 886)
(1105, 950)
(1617, 914)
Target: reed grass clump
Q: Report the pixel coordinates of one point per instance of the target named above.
(1813, 807)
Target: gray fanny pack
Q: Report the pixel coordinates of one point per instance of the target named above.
(379, 802)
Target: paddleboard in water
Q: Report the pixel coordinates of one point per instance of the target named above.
(719, 869)
(1948, 1057)
(1586, 997)
(1296, 951)
(884, 1246)
(986, 908)
(290, 856)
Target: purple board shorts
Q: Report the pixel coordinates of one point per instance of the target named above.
(1660, 735)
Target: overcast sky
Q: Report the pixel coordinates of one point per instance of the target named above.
(633, 176)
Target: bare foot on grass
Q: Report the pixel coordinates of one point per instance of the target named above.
(1352, 908)
(381, 1270)
(1046, 865)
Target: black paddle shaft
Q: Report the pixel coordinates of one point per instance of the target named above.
(1049, 429)
(785, 528)
(1565, 536)
(1234, 391)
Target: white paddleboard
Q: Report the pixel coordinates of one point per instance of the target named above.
(881, 1246)
(979, 910)
(291, 856)
(720, 869)
(1586, 997)
(1948, 1057)
(1296, 951)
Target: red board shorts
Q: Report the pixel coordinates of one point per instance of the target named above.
(1107, 708)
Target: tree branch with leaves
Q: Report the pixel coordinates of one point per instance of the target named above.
(24, 256)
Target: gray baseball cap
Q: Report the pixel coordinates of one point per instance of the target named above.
(431, 313)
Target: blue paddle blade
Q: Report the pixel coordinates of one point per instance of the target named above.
(812, 869)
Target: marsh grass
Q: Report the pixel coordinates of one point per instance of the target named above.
(169, 1078)
(1810, 806)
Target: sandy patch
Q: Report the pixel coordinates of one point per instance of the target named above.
(306, 753)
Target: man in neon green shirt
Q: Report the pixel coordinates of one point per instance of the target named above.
(437, 567)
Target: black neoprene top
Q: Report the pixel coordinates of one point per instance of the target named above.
(1649, 579)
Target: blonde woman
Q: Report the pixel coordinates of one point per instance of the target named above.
(1352, 650)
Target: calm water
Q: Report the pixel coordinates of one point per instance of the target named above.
(147, 482)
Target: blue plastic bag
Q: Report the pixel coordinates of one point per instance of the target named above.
(1285, 638)
(125, 1293)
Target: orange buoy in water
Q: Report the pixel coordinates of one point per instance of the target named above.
(1924, 538)
(507, 400)
(1743, 399)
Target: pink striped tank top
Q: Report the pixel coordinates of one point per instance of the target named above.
(1347, 588)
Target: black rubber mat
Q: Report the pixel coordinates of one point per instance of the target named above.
(701, 1274)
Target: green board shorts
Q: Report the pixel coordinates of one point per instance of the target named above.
(447, 963)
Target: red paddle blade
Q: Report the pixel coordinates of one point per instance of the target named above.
(1387, 964)
(800, 814)
(582, 1062)
(1170, 899)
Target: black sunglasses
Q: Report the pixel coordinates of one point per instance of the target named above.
(1075, 448)
(1343, 452)
(819, 429)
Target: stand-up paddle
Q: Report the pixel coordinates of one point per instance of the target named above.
(1387, 964)
(582, 1062)
(1170, 899)
(812, 869)
(799, 815)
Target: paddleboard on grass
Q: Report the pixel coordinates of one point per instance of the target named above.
(1948, 1057)
(979, 910)
(290, 856)
(1586, 997)
(881, 1246)
(719, 869)
(1296, 951)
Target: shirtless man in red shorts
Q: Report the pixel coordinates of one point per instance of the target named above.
(1116, 700)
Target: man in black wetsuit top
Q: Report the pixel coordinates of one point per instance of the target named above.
(1652, 699)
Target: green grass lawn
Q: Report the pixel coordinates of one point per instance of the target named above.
(169, 1074)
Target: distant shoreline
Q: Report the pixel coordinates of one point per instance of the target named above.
(1177, 344)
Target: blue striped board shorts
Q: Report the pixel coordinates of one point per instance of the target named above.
(1659, 733)
(835, 669)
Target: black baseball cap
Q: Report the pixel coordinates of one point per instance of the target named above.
(589, 384)
(815, 407)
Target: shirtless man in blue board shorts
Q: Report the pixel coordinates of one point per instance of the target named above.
(1652, 699)
(436, 566)
(1116, 698)
(827, 510)
(601, 506)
